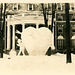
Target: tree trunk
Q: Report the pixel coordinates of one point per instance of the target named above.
(4, 14)
(1, 35)
(53, 14)
(3, 29)
(68, 54)
(44, 14)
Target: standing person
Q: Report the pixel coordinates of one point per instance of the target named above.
(20, 43)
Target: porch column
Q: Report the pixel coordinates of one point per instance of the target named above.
(28, 6)
(61, 6)
(23, 27)
(17, 6)
(13, 38)
(53, 47)
(8, 37)
(32, 7)
(13, 7)
(37, 26)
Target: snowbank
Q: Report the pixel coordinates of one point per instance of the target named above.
(37, 65)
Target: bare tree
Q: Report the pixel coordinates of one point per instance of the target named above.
(1, 34)
(2, 27)
(53, 14)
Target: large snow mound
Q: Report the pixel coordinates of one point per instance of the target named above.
(36, 41)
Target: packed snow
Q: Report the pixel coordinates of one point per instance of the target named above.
(37, 65)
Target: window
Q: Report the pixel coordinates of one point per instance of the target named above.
(59, 6)
(31, 7)
(73, 30)
(42, 25)
(73, 18)
(72, 6)
(30, 25)
(60, 18)
(15, 6)
(59, 30)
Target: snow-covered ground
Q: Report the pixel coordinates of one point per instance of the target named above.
(37, 65)
(36, 43)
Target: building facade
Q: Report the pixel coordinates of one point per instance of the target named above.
(23, 15)
(60, 27)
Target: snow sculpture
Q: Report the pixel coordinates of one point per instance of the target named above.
(36, 41)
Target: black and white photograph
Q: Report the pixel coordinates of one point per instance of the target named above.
(37, 38)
